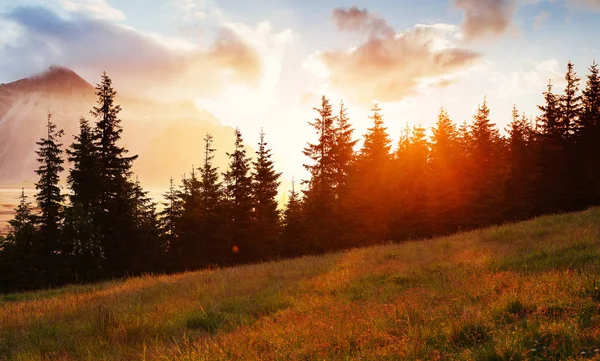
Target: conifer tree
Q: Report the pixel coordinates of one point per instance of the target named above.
(410, 185)
(371, 182)
(83, 174)
(169, 218)
(239, 200)
(520, 199)
(570, 103)
(114, 217)
(292, 240)
(81, 231)
(446, 180)
(191, 236)
(589, 129)
(21, 252)
(319, 196)
(486, 169)
(265, 184)
(50, 203)
(343, 151)
(144, 235)
(322, 156)
(214, 220)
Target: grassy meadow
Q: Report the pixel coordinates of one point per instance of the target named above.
(525, 291)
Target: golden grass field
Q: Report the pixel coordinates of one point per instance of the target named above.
(525, 291)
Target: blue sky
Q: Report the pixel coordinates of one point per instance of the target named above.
(264, 63)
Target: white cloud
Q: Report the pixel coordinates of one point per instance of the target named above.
(526, 82)
(388, 66)
(100, 9)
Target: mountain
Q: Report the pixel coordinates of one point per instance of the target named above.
(166, 136)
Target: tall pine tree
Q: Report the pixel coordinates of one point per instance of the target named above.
(266, 217)
(50, 203)
(239, 202)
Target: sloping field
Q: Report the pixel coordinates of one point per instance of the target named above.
(526, 291)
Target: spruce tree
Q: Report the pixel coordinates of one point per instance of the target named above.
(265, 185)
(214, 222)
(486, 169)
(169, 219)
(320, 186)
(371, 182)
(114, 218)
(343, 151)
(319, 198)
(520, 199)
(551, 158)
(410, 185)
(190, 242)
(589, 131)
(570, 103)
(81, 231)
(446, 181)
(84, 172)
(239, 202)
(293, 242)
(22, 253)
(50, 203)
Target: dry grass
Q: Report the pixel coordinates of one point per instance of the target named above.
(526, 291)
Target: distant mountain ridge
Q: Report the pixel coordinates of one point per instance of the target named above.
(56, 79)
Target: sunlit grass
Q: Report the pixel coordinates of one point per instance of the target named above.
(526, 291)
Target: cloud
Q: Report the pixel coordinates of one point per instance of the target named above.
(523, 82)
(355, 19)
(541, 18)
(388, 66)
(585, 4)
(144, 64)
(486, 17)
(100, 9)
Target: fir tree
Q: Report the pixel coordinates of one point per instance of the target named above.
(570, 103)
(114, 217)
(521, 167)
(319, 199)
(410, 185)
(169, 218)
(21, 255)
(189, 248)
(486, 169)
(589, 129)
(265, 183)
(214, 222)
(83, 174)
(239, 199)
(371, 182)
(293, 228)
(50, 202)
(322, 156)
(343, 151)
(446, 161)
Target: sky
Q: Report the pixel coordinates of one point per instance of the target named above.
(265, 63)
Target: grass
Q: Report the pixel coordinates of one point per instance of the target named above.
(525, 291)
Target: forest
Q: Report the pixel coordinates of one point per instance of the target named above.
(453, 178)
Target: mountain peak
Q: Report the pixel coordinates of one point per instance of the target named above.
(56, 79)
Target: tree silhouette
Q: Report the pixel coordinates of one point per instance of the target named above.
(50, 203)
(238, 191)
(266, 217)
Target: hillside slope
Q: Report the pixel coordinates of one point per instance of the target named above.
(526, 291)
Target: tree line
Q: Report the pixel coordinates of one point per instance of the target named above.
(459, 177)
